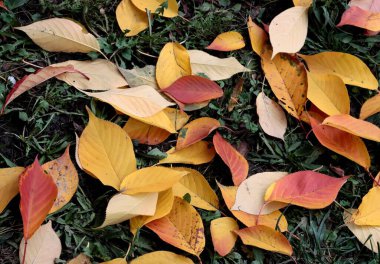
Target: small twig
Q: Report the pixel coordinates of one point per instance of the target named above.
(31, 64)
(146, 54)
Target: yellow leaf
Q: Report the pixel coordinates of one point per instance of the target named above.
(123, 207)
(369, 236)
(346, 66)
(164, 206)
(272, 118)
(116, 261)
(9, 185)
(61, 35)
(131, 18)
(153, 5)
(223, 237)
(141, 76)
(95, 71)
(266, 238)
(368, 212)
(214, 68)
(328, 93)
(142, 101)
(173, 63)
(257, 36)
(250, 194)
(65, 176)
(198, 153)
(106, 151)
(161, 257)
(305, 3)
(151, 179)
(182, 228)
(227, 41)
(370, 107)
(160, 120)
(288, 30)
(201, 193)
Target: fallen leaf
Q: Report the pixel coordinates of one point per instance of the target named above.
(37, 194)
(182, 228)
(161, 120)
(196, 106)
(288, 30)
(2, 5)
(250, 194)
(288, 81)
(141, 76)
(257, 36)
(369, 236)
(200, 191)
(9, 178)
(193, 89)
(43, 247)
(164, 206)
(95, 71)
(65, 176)
(222, 234)
(123, 207)
(370, 5)
(355, 16)
(116, 261)
(214, 68)
(198, 153)
(272, 118)
(142, 101)
(328, 93)
(308, 189)
(368, 212)
(354, 126)
(343, 143)
(80, 259)
(61, 35)
(172, 64)
(236, 162)
(271, 220)
(170, 6)
(130, 18)
(151, 179)
(34, 79)
(305, 3)
(227, 41)
(266, 238)
(349, 68)
(235, 95)
(106, 151)
(195, 131)
(370, 107)
(161, 257)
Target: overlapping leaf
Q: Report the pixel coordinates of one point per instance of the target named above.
(370, 107)
(130, 18)
(368, 212)
(222, 234)
(9, 185)
(161, 257)
(227, 41)
(153, 5)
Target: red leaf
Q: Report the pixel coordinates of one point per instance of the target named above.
(355, 16)
(232, 158)
(308, 189)
(38, 192)
(34, 79)
(193, 89)
(3, 6)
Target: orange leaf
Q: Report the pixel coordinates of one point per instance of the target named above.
(34, 79)
(370, 107)
(227, 41)
(193, 89)
(65, 176)
(355, 16)
(257, 36)
(343, 143)
(266, 238)
(354, 126)
(38, 192)
(223, 237)
(195, 131)
(145, 133)
(232, 158)
(308, 189)
(182, 228)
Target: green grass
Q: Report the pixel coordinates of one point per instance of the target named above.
(44, 121)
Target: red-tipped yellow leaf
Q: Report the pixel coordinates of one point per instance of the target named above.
(355, 16)
(266, 238)
(227, 41)
(195, 131)
(232, 158)
(370, 107)
(308, 189)
(193, 89)
(38, 192)
(8, 185)
(182, 228)
(341, 142)
(223, 237)
(354, 126)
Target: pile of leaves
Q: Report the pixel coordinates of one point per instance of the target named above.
(163, 195)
